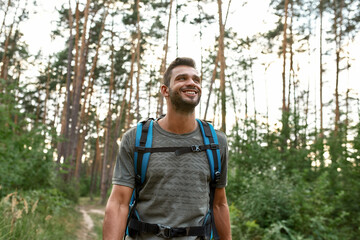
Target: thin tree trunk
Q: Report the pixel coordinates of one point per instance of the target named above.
(285, 131)
(65, 116)
(47, 87)
(213, 76)
(160, 109)
(138, 52)
(74, 134)
(254, 98)
(338, 36)
(291, 67)
(4, 59)
(96, 162)
(119, 123)
(284, 46)
(321, 68)
(131, 75)
(107, 146)
(222, 68)
(77, 33)
(177, 28)
(87, 98)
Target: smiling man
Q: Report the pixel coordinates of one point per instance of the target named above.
(178, 198)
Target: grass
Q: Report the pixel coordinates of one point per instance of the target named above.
(42, 214)
(88, 204)
(98, 220)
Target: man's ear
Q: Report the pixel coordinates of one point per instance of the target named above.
(164, 90)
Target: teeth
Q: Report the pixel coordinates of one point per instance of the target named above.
(190, 92)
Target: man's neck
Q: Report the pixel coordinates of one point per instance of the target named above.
(178, 123)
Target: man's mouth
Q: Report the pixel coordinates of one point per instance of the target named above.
(190, 92)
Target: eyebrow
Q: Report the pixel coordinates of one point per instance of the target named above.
(187, 75)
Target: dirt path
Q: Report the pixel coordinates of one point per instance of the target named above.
(88, 209)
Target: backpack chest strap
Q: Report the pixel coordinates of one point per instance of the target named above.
(178, 150)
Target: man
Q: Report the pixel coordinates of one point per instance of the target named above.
(176, 189)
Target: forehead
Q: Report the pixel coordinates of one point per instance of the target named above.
(182, 69)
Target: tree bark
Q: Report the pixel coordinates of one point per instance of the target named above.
(74, 133)
(47, 87)
(131, 75)
(138, 52)
(321, 9)
(87, 99)
(284, 46)
(160, 110)
(338, 18)
(96, 162)
(107, 146)
(213, 76)
(222, 69)
(65, 116)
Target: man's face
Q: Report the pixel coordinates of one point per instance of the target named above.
(185, 88)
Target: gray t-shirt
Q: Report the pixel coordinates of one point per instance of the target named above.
(176, 188)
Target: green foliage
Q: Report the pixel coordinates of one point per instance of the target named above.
(26, 162)
(289, 190)
(38, 214)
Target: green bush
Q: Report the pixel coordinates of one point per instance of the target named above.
(40, 214)
(25, 159)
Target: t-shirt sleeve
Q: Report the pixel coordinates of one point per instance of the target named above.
(124, 173)
(224, 159)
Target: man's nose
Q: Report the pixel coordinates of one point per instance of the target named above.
(192, 81)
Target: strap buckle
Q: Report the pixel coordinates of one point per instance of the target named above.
(214, 146)
(164, 231)
(195, 148)
(217, 176)
(140, 149)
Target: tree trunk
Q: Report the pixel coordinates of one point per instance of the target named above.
(131, 75)
(87, 98)
(107, 146)
(160, 109)
(213, 76)
(47, 87)
(77, 33)
(4, 59)
(284, 46)
(96, 162)
(338, 18)
(321, 9)
(138, 52)
(74, 133)
(65, 116)
(222, 69)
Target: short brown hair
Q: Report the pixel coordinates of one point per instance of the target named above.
(183, 61)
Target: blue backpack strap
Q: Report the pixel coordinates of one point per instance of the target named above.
(213, 154)
(143, 139)
(144, 136)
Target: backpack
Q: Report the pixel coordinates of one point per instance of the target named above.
(143, 149)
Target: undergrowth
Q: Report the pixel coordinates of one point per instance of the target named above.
(38, 214)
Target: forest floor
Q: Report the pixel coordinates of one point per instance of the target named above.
(92, 218)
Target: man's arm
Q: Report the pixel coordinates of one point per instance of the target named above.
(221, 214)
(116, 212)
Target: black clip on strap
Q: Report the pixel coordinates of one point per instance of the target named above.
(195, 148)
(164, 231)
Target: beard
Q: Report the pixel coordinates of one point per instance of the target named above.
(184, 105)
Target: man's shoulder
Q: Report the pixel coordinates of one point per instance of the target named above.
(130, 135)
(221, 137)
